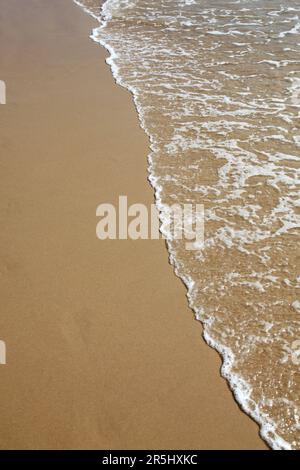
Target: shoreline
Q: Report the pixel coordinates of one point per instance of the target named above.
(101, 349)
(237, 386)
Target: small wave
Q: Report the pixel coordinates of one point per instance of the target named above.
(216, 88)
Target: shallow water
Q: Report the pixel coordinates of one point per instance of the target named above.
(217, 87)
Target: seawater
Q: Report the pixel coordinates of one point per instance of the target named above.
(217, 87)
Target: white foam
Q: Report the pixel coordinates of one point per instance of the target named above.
(87, 10)
(296, 306)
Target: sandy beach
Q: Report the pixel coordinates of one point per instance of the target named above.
(102, 349)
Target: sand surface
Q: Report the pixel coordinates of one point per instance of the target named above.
(102, 350)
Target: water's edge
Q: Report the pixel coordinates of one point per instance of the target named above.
(239, 388)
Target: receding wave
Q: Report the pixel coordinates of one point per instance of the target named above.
(217, 87)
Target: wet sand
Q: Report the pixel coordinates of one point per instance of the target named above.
(102, 350)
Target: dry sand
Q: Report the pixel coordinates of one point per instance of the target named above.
(102, 349)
